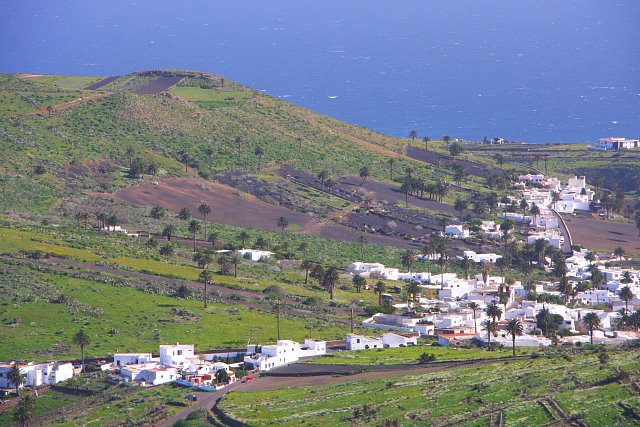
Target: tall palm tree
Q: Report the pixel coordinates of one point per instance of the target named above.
(205, 276)
(494, 311)
(491, 328)
(364, 173)
(82, 340)
(283, 223)
(204, 210)
(514, 328)
(359, 282)
(626, 295)
(426, 140)
(391, 161)
(23, 413)
(235, 260)
(307, 265)
(329, 280)
(278, 308)
(413, 134)
(379, 288)
(168, 231)
(413, 290)
(474, 306)
(408, 258)
(243, 236)
(486, 269)
(591, 321)
(213, 236)
(194, 227)
(16, 377)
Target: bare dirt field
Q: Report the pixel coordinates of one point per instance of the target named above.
(158, 85)
(473, 168)
(103, 82)
(231, 207)
(600, 234)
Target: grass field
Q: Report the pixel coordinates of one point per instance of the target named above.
(40, 324)
(409, 355)
(462, 396)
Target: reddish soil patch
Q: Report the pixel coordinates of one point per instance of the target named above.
(103, 82)
(158, 85)
(28, 76)
(600, 234)
(231, 208)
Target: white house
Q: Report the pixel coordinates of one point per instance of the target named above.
(254, 254)
(37, 374)
(361, 342)
(124, 359)
(373, 270)
(394, 340)
(158, 376)
(265, 358)
(555, 240)
(177, 355)
(612, 143)
(475, 257)
(455, 289)
(456, 231)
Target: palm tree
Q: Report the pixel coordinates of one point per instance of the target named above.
(391, 161)
(413, 290)
(213, 236)
(465, 265)
(243, 236)
(278, 308)
(283, 223)
(323, 175)
(474, 306)
(494, 311)
(259, 151)
(235, 260)
(82, 340)
(23, 413)
(16, 377)
(205, 276)
(491, 328)
(413, 135)
(426, 140)
(619, 252)
(408, 258)
(486, 269)
(460, 205)
(329, 280)
(306, 265)
(168, 231)
(626, 295)
(591, 321)
(364, 173)
(184, 214)
(514, 328)
(194, 227)
(359, 282)
(379, 288)
(534, 211)
(204, 210)
(446, 139)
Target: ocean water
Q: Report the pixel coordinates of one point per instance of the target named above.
(532, 70)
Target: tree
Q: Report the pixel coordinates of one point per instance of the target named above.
(23, 413)
(514, 328)
(362, 239)
(194, 227)
(278, 308)
(306, 265)
(243, 236)
(364, 173)
(235, 260)
(425, 358)
(413, 135)
(413, 290)
(157, 212)
(534, 211)
(82, 340)
(460, 205)
(259, 152)
(359, 282)
(16, 377)
(205, 276)
(494, 311)
(204, 210)
(212, 237)
(408, 258)
(323, 175)
(168, 231)
(329, 280)
(391, 161)
(222, 377)
(283, 223)
(446, 139)
(466, 264)
(379, 288)
(455, 149)
(202, 258)
(166, 250)
(491, 328)
(499, 158)
(619, 252)
(474, 306)
(184, 214)
(485, 270)
(426, 140)
(591, 321)
(626, 295)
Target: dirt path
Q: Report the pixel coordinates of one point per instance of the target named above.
(66, 105)
(103, 82)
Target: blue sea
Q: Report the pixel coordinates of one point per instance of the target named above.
(539, 71)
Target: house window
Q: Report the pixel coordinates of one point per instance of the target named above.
(358, 341)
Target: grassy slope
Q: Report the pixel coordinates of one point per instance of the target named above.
(463, 396)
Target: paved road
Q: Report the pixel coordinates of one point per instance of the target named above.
(205, 401)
